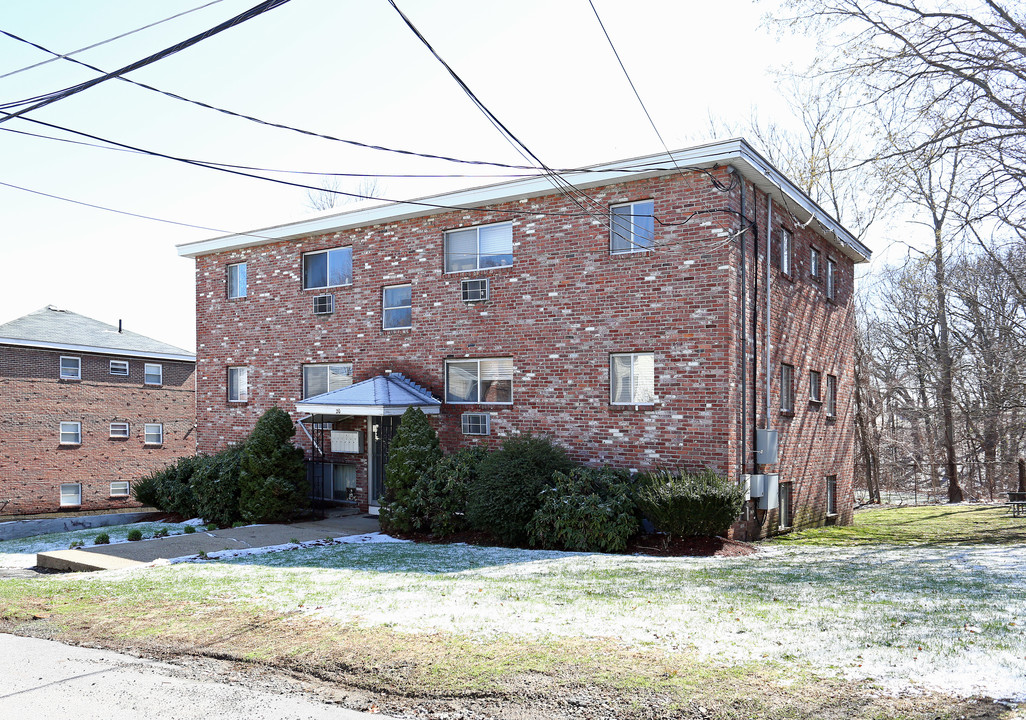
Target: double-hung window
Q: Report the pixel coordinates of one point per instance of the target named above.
(632, 379)
(71, 368)
(831, 280)
(831, 398)
(815, 392)
(786, 388)
(238, 384)
(786, 250)
(328, 268)
(814, 263)
(319, 379)
(488, 380)
(120, 488)
(153, 434)
(631, 227)
(397, 307)
(153, 374)
(237, 280)
(475, 248)
(71, 433)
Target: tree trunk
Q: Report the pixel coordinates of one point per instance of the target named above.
(944, 389)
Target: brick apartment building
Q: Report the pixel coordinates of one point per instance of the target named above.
(85, 409)
(666, 317)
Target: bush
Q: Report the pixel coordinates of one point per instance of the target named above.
(211, 526)
(412, 457)
(135, 534)
(509, 482)
(215, 486)
(682, 503)
(102, 539)
(238, 524)
(272, 479)
(189, 529)
(161, 532)
(445, 491)
(589, 509)
(170, 489)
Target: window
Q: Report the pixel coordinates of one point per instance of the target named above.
(71, 433)
(328, 268)
(153, 434)
(120, 489)
(814, 262)
(475, 423)
(786, 388)
(831, 285)
(785, 505)
(831, 399)
(814, 386)
(479, 247)
(632, 379)
(786, 248)
(237, 280)
(319, 379)
(71, 368)
(330, 481)
(397, 307)
(474, 290)
(323, 304)
(238, 384)
(153, 374)
(831, 494)
(71, 494)
(119, 430)
(119, 367)
(631, 227)
(479, 381)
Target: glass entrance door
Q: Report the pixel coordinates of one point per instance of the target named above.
(382, 429)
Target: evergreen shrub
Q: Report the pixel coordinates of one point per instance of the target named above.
(507, 491)
(681, 503)
(588, 510)
(272, 477)
(215, 486)
(445, 491)
(412, 456)
(170, 488)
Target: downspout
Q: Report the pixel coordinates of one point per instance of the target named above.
(743, 444)
(755, 324)
(769, 247)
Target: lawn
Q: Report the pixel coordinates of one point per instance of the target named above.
(918, 599)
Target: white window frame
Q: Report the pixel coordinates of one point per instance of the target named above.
(786, 251)
(482, 421)
(831, 495)
(149, 433)
(75, 494)
(815, 262)
(120, 488)
(327, 307)
(831, 280)
(634, 245)
(327, 383)
(786, 388)
(241, 387)
(815, 386)
(634, 380)
(148, 370)
(482, 285)
(119, 364)
(118, 435)
(478, 361)
(386, 308)
(237, 272)
(477, 256)
(71, 374)
(327, 279)
(73, 429)
(831, 396)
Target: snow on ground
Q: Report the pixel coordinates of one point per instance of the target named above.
(950, 618)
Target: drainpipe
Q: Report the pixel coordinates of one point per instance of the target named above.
(755, 322)
(743, 444)
(769, 244)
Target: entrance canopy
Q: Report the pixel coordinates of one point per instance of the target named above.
(382, 395)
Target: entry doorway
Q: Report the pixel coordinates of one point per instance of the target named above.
(380, 431)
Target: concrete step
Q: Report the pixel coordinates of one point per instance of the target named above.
(79, 560)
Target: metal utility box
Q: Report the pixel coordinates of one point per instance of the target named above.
(746, 485)
(347, 441)
(766, 447)
(769, 486)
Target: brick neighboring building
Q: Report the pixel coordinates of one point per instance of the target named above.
(86, 409)
(633, 331)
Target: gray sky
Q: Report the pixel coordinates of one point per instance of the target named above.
(348, 68)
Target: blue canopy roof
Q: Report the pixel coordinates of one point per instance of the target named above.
(380, 395)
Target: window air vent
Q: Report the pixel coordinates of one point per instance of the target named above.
(475, 290)
(323, 304)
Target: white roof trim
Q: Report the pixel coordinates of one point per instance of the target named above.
(363, 410)
(725, 152)
(95, 350)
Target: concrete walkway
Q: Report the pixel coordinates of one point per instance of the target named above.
(339, 523)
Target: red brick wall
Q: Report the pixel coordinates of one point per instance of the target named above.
(559, 311)
(34, 401)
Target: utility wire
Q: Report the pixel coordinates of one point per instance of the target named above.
(43, 101)
(67, 56)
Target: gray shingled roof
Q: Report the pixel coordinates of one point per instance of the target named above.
(51, 327)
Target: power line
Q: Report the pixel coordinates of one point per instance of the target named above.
(42, 101)
(67, 56)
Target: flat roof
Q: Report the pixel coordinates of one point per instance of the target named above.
(736, 152)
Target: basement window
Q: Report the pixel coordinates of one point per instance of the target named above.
(71, 368)
(71, 494)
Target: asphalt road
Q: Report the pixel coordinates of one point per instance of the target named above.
(45, 680)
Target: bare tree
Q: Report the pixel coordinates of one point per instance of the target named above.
(332, 194)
